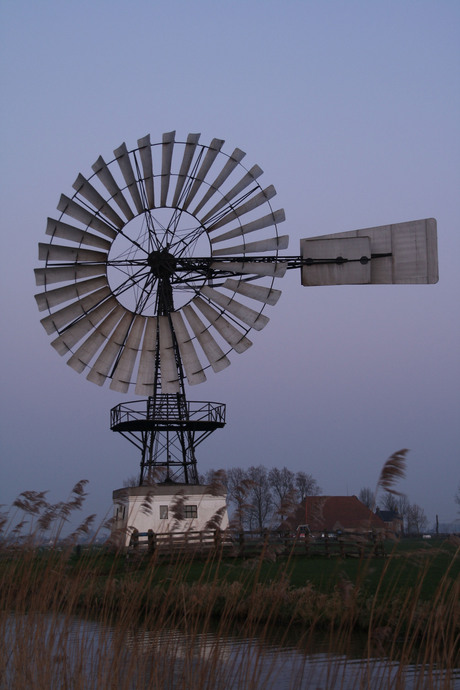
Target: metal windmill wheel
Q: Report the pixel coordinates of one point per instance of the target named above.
(158, 266)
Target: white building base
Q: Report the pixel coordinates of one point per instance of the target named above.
(166, 508)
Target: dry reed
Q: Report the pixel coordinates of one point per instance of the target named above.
(95, 619)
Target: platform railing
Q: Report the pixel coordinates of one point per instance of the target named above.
(167, 409)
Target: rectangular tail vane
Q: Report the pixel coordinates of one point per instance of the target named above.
(388, 254)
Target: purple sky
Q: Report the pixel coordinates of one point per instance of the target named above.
(352, 110)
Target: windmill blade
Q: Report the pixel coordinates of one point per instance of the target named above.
(124, 369)
(59, 252)
(101, 169)
(192, 365)
(166, 158)
(122, 156)
(60, 319)
(104, 363)
(85, 353)
(145, 384)
(62, 274)
(234, 159)
(213, 352)
(168, 364)
(237, 340)
(88, 192)
(211, 154)
(56, 228)
(189, 151)
(250, 177)
(250, 317)
(267, 295)
(70, 208)
(264, 222)
(72, 335)
(250, 205)
(268, 245)
(51, 298)
(275, 269)
(145, 152)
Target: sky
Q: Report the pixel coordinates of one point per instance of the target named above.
(352, 110)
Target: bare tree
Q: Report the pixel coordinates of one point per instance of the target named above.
(306, 485)
(457, 496)
(216, 480)
(238, 488)
(416, 519)
(284, 490)
(390, 501)
(257, 496)
(403, 510)
(260, 498)
(367, 496)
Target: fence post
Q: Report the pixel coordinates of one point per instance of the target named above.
(241, 543)
(286, 541)
(152, 541)
(217, 538)
(134, 541)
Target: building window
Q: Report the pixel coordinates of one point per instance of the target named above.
(190, 511)
(163, 512)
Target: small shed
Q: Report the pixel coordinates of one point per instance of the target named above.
(166, 508)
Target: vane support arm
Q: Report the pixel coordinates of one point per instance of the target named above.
(387, 254)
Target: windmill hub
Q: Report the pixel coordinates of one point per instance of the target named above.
(162, 263)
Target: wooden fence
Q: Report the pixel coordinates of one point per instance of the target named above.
(248, 544)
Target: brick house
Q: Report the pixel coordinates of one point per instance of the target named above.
(335, 514)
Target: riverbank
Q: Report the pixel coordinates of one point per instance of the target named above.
(397, 590)
(404, 608)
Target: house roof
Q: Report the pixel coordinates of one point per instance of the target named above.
(388, 515)
(334, 513)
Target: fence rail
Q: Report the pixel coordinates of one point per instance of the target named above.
(255, 543)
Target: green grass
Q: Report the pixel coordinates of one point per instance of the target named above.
(410, 560)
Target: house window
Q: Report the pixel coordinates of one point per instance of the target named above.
(190, 511)
(163, 512)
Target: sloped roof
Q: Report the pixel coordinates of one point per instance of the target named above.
(332, 513)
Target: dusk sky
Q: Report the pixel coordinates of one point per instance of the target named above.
(352, 109)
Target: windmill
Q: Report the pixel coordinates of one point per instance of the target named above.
(158, 267)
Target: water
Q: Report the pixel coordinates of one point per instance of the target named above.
(49, 652)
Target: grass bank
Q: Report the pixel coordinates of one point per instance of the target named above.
(399, 590)
(406, 605)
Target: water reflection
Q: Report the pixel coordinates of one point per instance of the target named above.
(49, 652)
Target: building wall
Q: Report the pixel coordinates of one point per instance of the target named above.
(153, 507)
